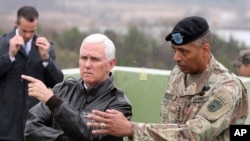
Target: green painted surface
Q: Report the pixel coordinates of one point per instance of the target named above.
(144, 95)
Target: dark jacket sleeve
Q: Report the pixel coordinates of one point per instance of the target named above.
(52, 72)
(38, 125)
(122, 104)
(5, 62)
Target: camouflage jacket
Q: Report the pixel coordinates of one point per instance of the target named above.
(203, 111)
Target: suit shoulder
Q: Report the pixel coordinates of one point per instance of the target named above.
(3, 36)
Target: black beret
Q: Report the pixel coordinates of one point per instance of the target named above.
(187, 30)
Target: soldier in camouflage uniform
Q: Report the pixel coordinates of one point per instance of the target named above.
(243, 63)
(202, 98)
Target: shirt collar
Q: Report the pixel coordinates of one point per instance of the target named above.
(85, 86)
(29, 42)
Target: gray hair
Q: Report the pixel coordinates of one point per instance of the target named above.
(100, 38)
(204, 39)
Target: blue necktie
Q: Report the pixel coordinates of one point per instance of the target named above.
(25, 46)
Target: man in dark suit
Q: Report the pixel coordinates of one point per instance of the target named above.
(22, 51)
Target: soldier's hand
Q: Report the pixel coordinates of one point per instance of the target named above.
(110, 122)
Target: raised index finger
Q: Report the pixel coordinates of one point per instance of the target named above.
(28, 78)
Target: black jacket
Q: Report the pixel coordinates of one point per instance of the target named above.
(14, 99)
(63, 113)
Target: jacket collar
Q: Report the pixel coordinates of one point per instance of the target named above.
(99, 89)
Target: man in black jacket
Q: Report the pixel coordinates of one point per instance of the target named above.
(61, 115)
(22, 51)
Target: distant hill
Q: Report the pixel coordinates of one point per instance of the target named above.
(117, 13)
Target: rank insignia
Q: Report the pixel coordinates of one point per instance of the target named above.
(177, 37)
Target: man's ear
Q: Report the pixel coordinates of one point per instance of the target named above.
(206, 49)
(112, 63)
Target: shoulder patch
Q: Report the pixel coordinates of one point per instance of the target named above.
(214, 105)
(217, 106)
